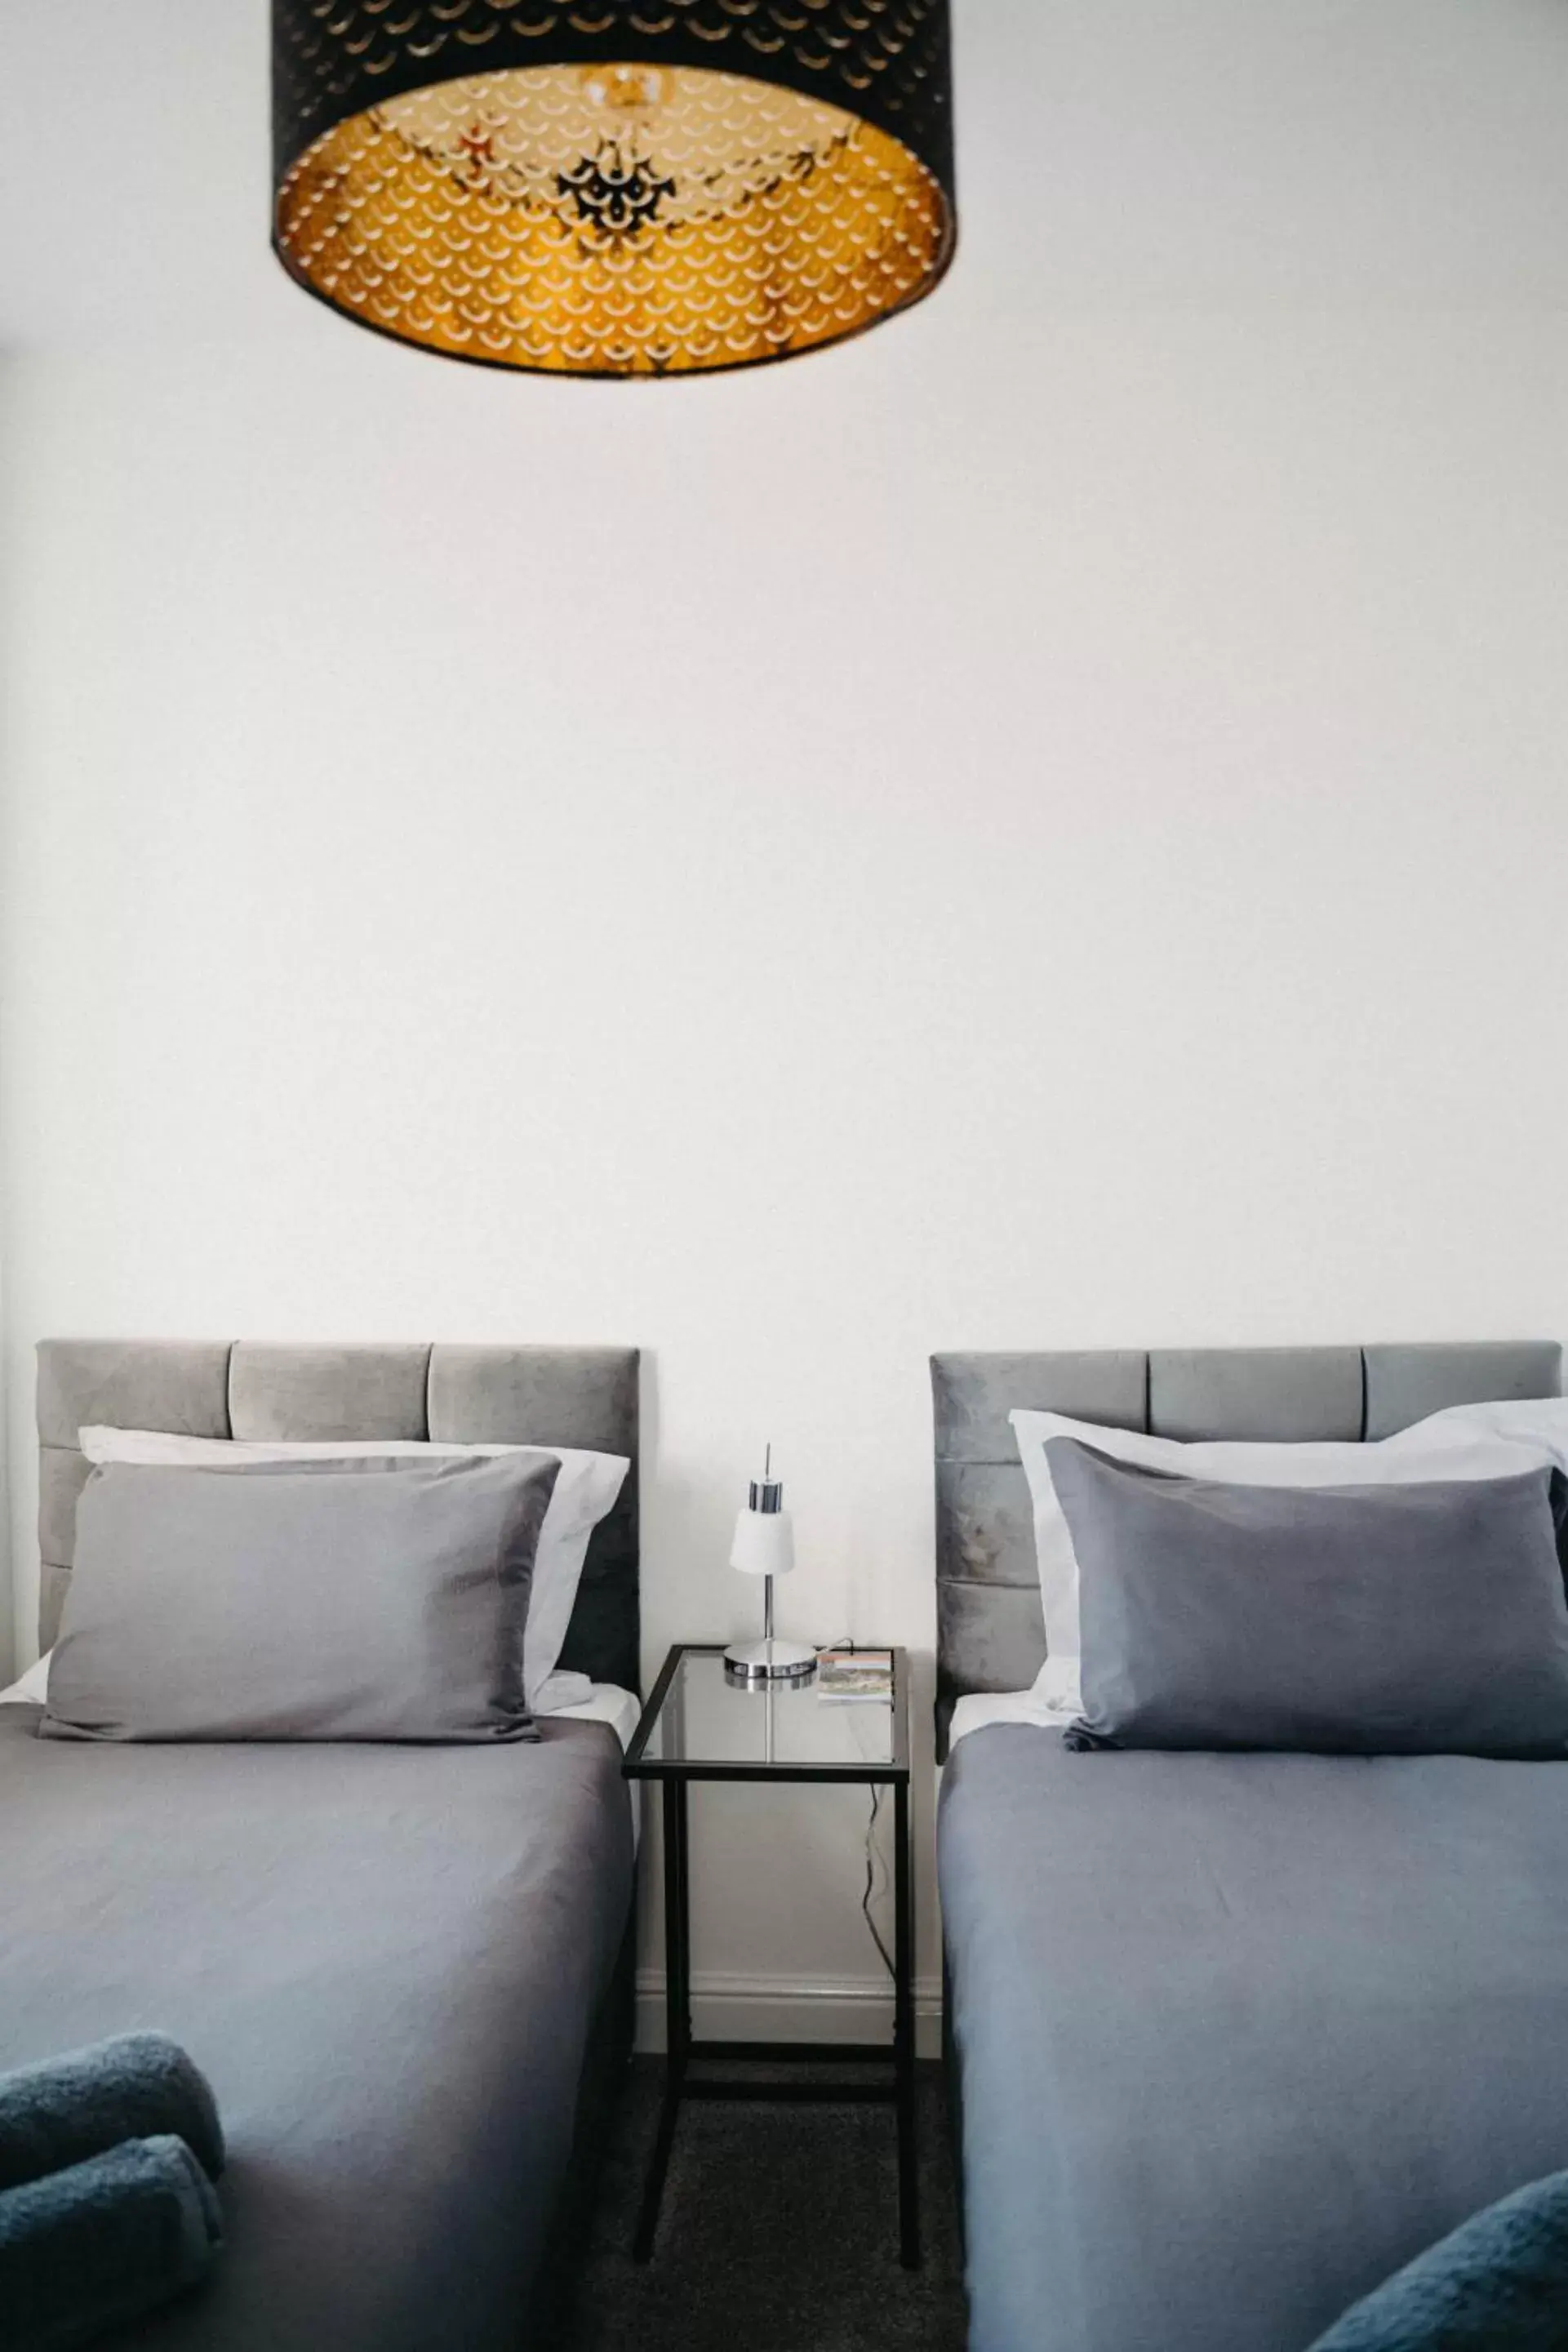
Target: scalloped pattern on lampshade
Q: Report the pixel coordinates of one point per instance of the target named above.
(622, 213)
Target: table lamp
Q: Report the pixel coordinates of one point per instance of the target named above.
(764, 1546)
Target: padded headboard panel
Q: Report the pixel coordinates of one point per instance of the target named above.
(990, 1634)
(580, 1397)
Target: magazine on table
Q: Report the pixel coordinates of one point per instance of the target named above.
(848, 1675)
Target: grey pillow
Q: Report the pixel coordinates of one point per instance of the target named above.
(1392, 1620)
(299, 1606)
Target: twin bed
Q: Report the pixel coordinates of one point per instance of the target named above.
(406, 1970)
(1233, 2036)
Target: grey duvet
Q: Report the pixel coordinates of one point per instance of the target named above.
(1241, 2034)
(386, 1959)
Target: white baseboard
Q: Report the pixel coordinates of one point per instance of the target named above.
(734, 2008)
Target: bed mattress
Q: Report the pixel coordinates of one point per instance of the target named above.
(387, 1960)
(1240, 2035)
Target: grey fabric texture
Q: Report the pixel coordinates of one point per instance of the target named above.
(990, 1629)
(1497, 2283)
(301, 1602)
(974, 1394)
(322, 1392)
(385, 1960)
(54, 1583)
(529, 1396)
(1261, 1395)
(102, 2243)
(167, 1383)
(85, 2102)
(580, 1397)
(1240, 2035)
(1405, 1384)
(62, 1474)
(1402, 1621)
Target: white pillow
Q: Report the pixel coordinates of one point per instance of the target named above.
(585, 1492)
(32, 1690)
(1538, 1422)
(1403, 1460)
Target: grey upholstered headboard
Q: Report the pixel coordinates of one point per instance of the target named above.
(580, 1397)
(990, 1634)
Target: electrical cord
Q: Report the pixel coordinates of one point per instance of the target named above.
(870, 1849)
(871, 1879)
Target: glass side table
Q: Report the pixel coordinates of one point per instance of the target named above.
(700, 1726)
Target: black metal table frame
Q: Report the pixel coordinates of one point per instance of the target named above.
(683, 2050)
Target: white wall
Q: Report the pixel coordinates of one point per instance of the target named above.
(1044, 828)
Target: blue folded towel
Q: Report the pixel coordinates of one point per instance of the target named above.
(138, 2086)
(1499, 2283)
(95, 2246)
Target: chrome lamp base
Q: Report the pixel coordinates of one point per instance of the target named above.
(769, 1661)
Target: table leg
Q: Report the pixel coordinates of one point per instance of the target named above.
(904, 2033)
(677, 2012)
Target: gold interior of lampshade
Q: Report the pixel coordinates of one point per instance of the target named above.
(612, 220)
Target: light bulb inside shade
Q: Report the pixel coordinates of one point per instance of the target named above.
(625, 88)
(764, 1544)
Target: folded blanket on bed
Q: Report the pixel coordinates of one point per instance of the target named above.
(137, 2086)
(89, 2248)
(1498, 2283)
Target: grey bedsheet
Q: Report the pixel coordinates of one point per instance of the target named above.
(387, 1962)
(1240, 2034)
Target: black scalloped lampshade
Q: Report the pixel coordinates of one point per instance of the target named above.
(614, 188)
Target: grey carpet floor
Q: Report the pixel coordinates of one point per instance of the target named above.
(779, 2233)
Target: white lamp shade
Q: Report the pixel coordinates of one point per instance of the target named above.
(764, 1544)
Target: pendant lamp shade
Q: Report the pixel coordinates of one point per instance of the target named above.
(614, 188)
